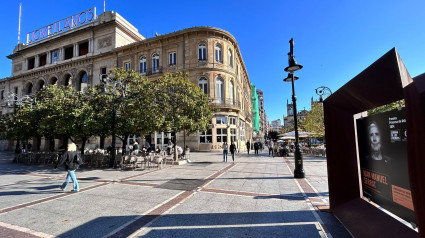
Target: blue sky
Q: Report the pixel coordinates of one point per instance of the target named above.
(334, 40)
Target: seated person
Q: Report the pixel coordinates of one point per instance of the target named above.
(158, 149)
(179, 151)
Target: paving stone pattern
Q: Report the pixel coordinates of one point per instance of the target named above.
(257, 196)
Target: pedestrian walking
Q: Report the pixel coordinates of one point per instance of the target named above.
(270, 144)
(233, 150)
(248, 146)
(71, 159)
(225, 148)
(256, 147)
(275, 147)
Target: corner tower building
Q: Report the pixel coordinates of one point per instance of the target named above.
(79, 55)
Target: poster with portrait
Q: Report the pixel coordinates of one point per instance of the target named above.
(382, 141)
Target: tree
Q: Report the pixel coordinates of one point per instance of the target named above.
(388, 107)
(314, 122)
(273, 135)
(21, 124)
(68, 113)
(135, 101)
(183, 104)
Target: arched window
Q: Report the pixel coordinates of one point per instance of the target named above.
(82, 82)
(40, 85)
(155, 63)
(203, 84)
(218, 53)
(219, 92)
(230, 58)
(53, 80)
(231, 92)
(68, 80)
(143, 65)
(29, 89)
(202, 52)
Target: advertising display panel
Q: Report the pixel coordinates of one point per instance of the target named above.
(382, 141)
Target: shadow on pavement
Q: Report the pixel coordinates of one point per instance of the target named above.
(243, 224)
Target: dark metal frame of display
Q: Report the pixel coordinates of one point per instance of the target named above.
(385, 81)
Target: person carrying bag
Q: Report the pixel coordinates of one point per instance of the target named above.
(71, 159)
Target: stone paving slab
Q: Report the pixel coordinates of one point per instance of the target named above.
(256, 196)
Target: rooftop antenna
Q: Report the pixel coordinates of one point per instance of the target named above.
(19, 24)
(104, 4)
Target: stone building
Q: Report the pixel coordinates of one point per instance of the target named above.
(289, 119)
(81, 54)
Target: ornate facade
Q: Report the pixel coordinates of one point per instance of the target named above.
(80, 56)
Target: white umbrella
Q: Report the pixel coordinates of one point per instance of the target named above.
(301, 134)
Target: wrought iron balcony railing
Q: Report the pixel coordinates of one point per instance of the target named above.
(225, 102)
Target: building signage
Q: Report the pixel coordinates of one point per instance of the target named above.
(63, 25)
(382, 140)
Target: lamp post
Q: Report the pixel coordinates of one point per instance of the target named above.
(111, 88)
(292, 67)
(13, 101)
(323, 93)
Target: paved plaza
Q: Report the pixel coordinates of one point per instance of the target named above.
(256, 196)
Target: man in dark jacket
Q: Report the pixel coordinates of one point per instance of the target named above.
(233, 150)
(69, 160)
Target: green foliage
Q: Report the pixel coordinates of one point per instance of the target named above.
(273, 135)
(388, 107)
(137, 110)
(314, 121)
(171, 103)
(182, 103)
(288, 129)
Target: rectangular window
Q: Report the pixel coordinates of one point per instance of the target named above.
(2, 95)
(143, 67)
(31, 63)
(232, 120)
(232, 134)
(127, 65)
(103, 72)
(83, 48)
(69, 52)
(221, 120)
(221, 135)
(205, 137)
(242, 130)
(55, 56)
(42, 60)
(172, 58)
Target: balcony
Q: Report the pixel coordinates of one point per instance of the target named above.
(225, 103)
(151, 71)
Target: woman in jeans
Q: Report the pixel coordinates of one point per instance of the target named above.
(225, 148)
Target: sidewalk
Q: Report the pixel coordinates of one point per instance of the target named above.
(256, 196)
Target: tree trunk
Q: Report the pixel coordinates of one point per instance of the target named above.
(124, 143)
(102, 142)
(83, 145)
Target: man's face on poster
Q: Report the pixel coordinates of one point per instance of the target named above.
(375, 138)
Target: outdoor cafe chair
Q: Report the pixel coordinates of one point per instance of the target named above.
(157, 159)
(129, 161)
